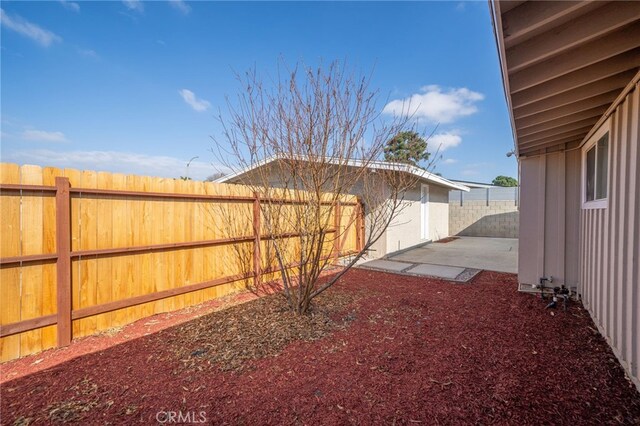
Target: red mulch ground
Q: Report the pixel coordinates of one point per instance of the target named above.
(413, 351)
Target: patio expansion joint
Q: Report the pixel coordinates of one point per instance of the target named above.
(464, 276)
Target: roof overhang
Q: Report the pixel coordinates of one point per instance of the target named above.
(565, 65)
(421, 174)
(473, 185)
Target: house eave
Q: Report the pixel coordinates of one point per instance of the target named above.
(421, 174)
(564, 66)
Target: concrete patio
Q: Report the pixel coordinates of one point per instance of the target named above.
(457, 260)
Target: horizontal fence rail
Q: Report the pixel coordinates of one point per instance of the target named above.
(91, 273)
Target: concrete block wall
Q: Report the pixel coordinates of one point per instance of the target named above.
(484, 219)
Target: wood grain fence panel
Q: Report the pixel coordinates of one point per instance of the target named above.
(169, 211)
(159, 236)
(211, 231)
(145, 225)
(49, 271)
(119, 238)
(128, 286)
(189, 299)
(104, 265)
(10, 311)
(31, 300)
(131, 263)
(88, 240)
(198, 234)
(10, 209)
(10, 281)
(179, 234)
(75, 180)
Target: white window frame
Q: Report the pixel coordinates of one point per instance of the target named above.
(602, 203)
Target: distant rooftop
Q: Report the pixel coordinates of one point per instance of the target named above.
(472, 185)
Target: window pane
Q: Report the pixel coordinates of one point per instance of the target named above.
(591, 173)
(603, 161)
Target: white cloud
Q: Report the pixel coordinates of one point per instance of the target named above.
(70, 5)
(436, 105)
(43, 136)
(475, 169)
(116, 162)
(136, 5)
(443, 141)
(181, 5)
(89, 53)
(195, 103)
(449, 161)
(28, 29)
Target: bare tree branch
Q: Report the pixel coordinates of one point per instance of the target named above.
(322, 131)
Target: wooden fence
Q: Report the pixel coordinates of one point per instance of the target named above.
(86, 251)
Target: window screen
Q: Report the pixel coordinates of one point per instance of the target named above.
(602, 158)
(591, 173)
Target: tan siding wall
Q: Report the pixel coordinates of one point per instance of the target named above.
(610, 243)
(595, 250)
(549, 215)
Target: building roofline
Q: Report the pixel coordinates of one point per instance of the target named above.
(472, 184)
(377, 165)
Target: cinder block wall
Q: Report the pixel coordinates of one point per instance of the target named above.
(482, 218)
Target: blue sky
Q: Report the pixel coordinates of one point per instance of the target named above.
(135, 87)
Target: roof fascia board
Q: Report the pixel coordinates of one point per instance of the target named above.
(496, 18)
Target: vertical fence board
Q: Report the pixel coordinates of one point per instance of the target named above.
(104, 225)
(158, 237)
(198, 235)
(132, 263)
(212, 232)
(179, 258)
(119, 237)
(171, 303)
(146, 238)
(88, 265)
(10, 246)
(187, 187)
(32, 243)
(75, 180)
(49, 270)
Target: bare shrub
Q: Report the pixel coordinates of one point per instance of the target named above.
(313, 137)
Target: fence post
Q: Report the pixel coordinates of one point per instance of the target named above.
(256, 241)
(63, 263)
(337, 219)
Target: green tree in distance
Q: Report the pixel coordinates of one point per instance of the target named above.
(406, 147)
(505, 181)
